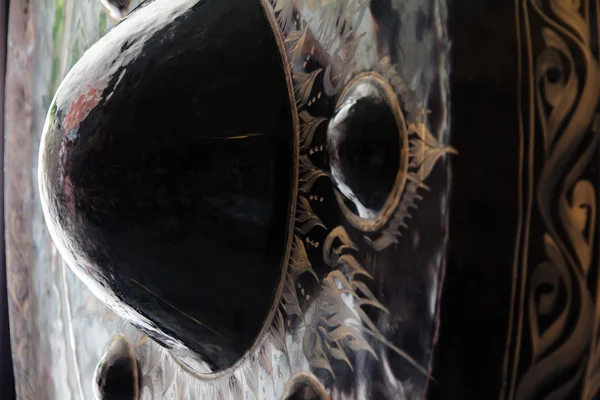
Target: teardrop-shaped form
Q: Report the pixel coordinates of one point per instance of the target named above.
(167, 173)
(117, 375)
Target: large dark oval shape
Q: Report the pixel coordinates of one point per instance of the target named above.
(167, 173)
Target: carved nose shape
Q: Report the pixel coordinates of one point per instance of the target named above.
(167, 173)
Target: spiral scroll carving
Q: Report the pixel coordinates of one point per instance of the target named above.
(555, 325)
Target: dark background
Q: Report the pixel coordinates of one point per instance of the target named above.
(469, 357)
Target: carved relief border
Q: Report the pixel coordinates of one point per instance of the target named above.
(19, 186)
(553, 339)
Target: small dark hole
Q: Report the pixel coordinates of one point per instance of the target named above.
(553, 75)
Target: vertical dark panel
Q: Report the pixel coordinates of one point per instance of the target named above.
(475, 298)
(7, 385)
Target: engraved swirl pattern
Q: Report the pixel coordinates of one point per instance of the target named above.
(559, 300)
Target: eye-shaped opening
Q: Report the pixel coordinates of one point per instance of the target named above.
(368, 151)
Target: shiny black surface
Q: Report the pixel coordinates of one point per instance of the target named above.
(174, 192)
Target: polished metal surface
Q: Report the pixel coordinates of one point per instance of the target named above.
(357, 181)
(399, 278)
